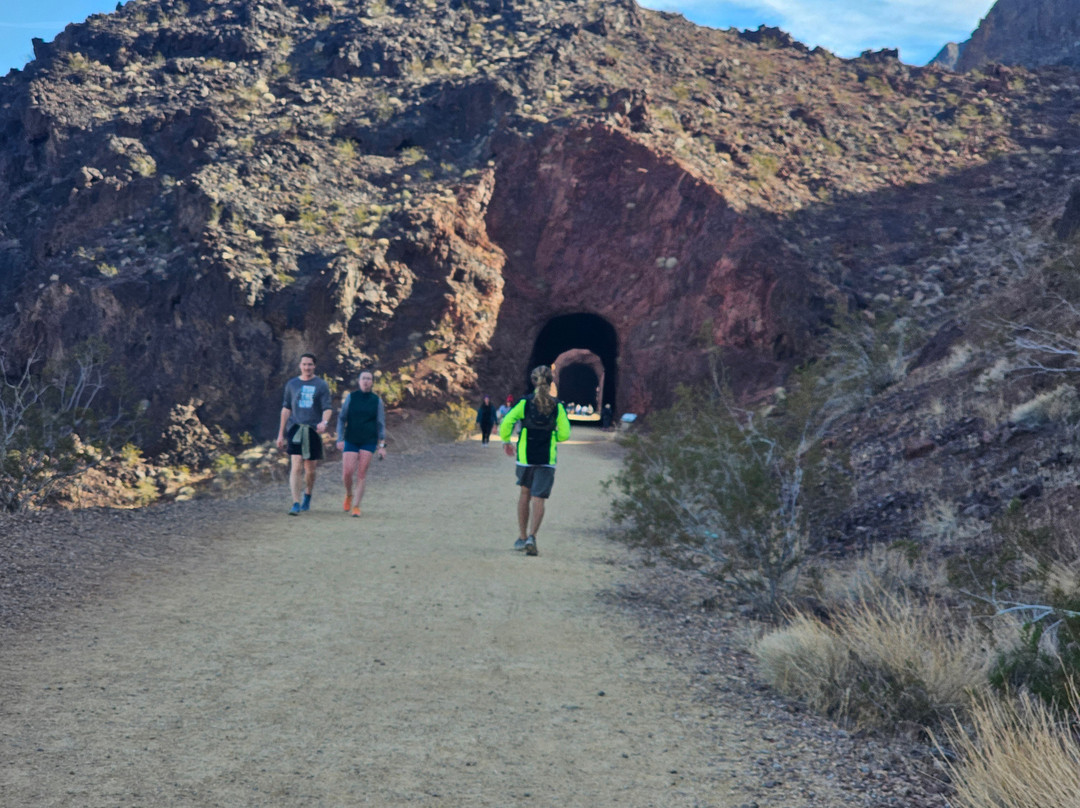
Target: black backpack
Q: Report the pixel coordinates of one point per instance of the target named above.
(538, 429)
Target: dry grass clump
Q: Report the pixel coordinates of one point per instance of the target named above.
(900, 567)
(883, 662)
(1020, 754)
(810, 661)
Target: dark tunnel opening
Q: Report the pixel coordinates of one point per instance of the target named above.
(579, 384)
(584, 349)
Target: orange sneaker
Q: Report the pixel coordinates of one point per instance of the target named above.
(347, 505)
(356, 511)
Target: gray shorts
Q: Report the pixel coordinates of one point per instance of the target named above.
(538, 479)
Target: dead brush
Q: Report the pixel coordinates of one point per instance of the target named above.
(1016, 754)
(884, 661)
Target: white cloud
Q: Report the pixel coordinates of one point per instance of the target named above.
(847, 27)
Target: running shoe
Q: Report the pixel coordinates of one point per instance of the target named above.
(306, 504)
(295, 509)
(530, 546)
(348, 504)
(519, 544)
(356, 511)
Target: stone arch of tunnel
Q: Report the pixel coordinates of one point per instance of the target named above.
(583, 350)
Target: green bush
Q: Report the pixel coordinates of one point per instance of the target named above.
(1046, 662)
(390, 387)
(224, 464)
(453, 423)
(708, 478)
(737, 486)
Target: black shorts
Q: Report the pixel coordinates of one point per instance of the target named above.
(314, 444)
(538, 479)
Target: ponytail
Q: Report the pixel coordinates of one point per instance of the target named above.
(542, 379)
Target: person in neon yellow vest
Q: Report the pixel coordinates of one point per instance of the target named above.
(544, 425)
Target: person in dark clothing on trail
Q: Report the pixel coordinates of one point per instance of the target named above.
(543, 425)
(485, 419)
(605, 417)
(361, 435)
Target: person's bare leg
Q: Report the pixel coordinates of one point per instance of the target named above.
(363, 460)
(348, 474)
(537, 515)
(523, 511)
(309, 475)
(296, 476)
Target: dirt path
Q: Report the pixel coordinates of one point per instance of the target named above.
(409, 657)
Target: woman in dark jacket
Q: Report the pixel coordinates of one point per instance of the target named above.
(485, 419)
(361, 436)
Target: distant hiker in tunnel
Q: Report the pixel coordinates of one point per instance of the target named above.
(361, 434)
(485, 419)
(543, 425)
(305, 412)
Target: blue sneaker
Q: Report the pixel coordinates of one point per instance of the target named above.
(519, 544)
(295, 509)
(306, 504)
(530, 546)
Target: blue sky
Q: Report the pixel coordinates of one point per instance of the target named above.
(919, 28)
(846, 27)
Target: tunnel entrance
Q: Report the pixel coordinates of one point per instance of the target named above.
(582, 350)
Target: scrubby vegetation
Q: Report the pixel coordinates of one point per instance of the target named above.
(1018, 753)
(964, 628)
(456, 421)
(52, 424)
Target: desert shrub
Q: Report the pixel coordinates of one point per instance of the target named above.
(146, 492)
(131, 454)
(224, 463)
(808, 660)
(1046, 660)
(390, 387)
(708, 478)
(899, 567)
(884, 661)
(452, 423)
(1018, 754)
(1052, 405)
(1028, 566)
(878, 354)
(51, 428)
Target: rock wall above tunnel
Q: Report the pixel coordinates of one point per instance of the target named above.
(592, 221)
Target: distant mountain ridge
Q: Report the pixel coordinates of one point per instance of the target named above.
(1031, 33)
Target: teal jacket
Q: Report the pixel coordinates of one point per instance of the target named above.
(528, 445)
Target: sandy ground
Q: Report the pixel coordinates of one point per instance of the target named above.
(408, 657)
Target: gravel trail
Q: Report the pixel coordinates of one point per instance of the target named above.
(408, 657)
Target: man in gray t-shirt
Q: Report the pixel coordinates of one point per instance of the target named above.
(305, 413)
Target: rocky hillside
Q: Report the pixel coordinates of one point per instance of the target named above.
(451, 191)
(1033, 33)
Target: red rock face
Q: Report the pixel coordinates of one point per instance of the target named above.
(211, 189)
(592, 221)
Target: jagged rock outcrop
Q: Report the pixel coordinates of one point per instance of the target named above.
(948, 56)
(1032, 33)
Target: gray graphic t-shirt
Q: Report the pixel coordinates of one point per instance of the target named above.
(307, 400)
